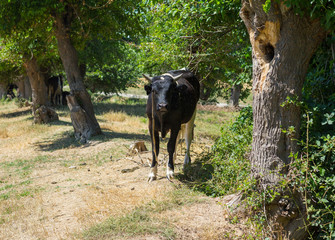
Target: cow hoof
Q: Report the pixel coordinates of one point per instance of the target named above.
(153, 174)
(152, 178)
(187, 160)
(169, 174)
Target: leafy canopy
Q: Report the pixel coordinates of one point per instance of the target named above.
(207, 37)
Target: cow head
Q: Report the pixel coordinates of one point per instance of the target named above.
(163, 88)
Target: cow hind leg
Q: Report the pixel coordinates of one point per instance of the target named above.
(188, 138)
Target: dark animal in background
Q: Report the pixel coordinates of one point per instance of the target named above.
(10, 90)
(64, 94)
(172, 102)
(55, 89)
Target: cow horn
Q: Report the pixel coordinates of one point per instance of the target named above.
(175, 78)
(147, 77)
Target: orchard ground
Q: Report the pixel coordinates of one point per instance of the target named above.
(52, 187)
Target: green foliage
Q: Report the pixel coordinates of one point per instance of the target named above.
(207, 37)
(229, 158)
(266, 6)
(323, 10)
(315, 169)
(27, 29)
(111, 65)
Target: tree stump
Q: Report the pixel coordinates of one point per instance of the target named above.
(45, 115)
(80, 120)
(137, 147)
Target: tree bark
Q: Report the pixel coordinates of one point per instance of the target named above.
(282, 43)
(42, 114)
(24, 87)
(2, 90)
(235, 95)
(82, 131)
(69, 57)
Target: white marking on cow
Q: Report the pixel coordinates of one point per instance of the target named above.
(169, 173)
(189, 128)
(153, 173)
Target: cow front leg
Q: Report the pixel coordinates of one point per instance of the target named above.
(171, 149)
(155, 152)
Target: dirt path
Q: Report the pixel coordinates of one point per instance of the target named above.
(53, 189)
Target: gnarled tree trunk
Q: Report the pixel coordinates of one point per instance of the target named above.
(39, 93)
(283, 43)
(69, 57)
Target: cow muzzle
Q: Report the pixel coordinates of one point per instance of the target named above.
(162, 107)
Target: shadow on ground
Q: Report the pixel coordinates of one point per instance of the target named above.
(136, 108)
(196, 174)
(16, 113)
(67, 139)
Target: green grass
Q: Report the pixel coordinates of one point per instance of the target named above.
(19, 172)
(208, 123)
(136, 91)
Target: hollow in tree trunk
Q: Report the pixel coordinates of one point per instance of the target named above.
(42, 113)
(69, 57)
(282, 43)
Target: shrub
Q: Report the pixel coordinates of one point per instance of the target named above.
(228, 160)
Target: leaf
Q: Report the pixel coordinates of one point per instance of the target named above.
(267, 6)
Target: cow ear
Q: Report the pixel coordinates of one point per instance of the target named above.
(147, 89)
(147, 77)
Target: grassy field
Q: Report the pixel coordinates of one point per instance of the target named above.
(52, 187)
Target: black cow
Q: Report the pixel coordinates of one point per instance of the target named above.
(172, 102)
(55, 89)
(64, 94)
(10, 90)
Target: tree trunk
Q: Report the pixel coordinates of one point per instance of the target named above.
(235, 95)
(24, 87)
(205, 92)
(69, 57)
(282, 43)
(2, 90)
(42, 114)
(79, 120)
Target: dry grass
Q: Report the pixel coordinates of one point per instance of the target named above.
(54, 188)
(4, 133)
